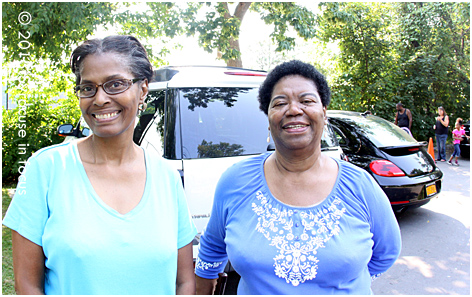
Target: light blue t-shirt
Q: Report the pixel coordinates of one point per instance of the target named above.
(91, 248)
(335, 247)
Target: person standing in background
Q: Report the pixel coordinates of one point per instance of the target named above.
(403, 117)
(457, 134)
(441, 129)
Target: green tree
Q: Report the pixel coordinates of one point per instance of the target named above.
(363, 34)
(434, 63)
(414, 53)
(49, 30)
(220, 28)
(43, 103)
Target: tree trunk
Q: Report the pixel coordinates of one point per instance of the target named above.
(235, 62)
(239, 13)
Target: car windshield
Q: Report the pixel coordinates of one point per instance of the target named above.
(223, 122)
(381, 132)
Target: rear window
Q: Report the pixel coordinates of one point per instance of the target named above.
(381, 132)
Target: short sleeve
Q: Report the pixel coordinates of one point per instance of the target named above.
(212, 256)
(385, 230)
(28, 212)
(187, 229)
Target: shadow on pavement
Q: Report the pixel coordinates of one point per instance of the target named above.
(435, 257)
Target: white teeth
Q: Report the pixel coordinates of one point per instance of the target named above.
(106, 115)
(295, 126)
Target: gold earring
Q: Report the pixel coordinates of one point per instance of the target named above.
(142, 106)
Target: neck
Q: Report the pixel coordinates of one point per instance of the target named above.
(112, 151)
(297, 163)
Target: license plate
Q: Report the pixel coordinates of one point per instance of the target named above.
(431, 190)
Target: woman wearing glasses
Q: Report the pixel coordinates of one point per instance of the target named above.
(101, 215)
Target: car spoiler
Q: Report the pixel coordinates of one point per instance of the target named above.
(415, 145)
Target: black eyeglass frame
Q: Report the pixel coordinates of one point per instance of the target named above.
(132, 81)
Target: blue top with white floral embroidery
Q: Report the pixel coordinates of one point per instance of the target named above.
(335, 247)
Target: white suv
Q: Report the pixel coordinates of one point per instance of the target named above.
(204, 119)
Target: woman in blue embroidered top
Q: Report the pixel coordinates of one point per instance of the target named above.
(296, 221)
(102, 215)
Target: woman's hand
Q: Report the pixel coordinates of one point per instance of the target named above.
(185, 273)
(28, 266)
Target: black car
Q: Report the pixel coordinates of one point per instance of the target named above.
(399, 163)
(465, 142)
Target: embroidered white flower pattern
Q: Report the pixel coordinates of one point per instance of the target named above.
(200, 264)
(375, 276)
(296, 261)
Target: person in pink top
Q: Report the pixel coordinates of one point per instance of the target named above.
(457, 134)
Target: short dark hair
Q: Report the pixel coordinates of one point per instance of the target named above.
(125, 45)
(294, 67)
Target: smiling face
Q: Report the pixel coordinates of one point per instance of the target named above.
(296, 114)
(110, 115)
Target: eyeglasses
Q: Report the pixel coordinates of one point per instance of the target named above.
(111, 87)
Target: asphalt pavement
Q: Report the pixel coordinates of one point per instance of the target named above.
(435, 257)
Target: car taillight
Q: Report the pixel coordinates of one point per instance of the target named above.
(385, 168)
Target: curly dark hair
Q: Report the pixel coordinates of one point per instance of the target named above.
(129, 47)
(294, 67)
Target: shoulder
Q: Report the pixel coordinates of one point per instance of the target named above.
(347, 167)
(246, 174)
(61, 150)
(354, 177)
(158, 163)
(246, 167)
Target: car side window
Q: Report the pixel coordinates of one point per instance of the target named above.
(340, 137)
(347, 139)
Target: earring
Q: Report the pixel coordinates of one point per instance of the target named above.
(142, 106)
(268, 137)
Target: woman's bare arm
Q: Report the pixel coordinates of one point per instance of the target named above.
(205, 286)
(185, 272)
(28, 266)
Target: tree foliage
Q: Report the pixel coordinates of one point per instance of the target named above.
(43, 103)
(219, 29)
(49, 30)
(414, 53)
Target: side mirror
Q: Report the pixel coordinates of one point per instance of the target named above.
(85, 132)
(65, 130)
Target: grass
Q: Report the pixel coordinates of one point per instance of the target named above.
(8, 280)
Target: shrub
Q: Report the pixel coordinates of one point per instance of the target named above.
(44, 101)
